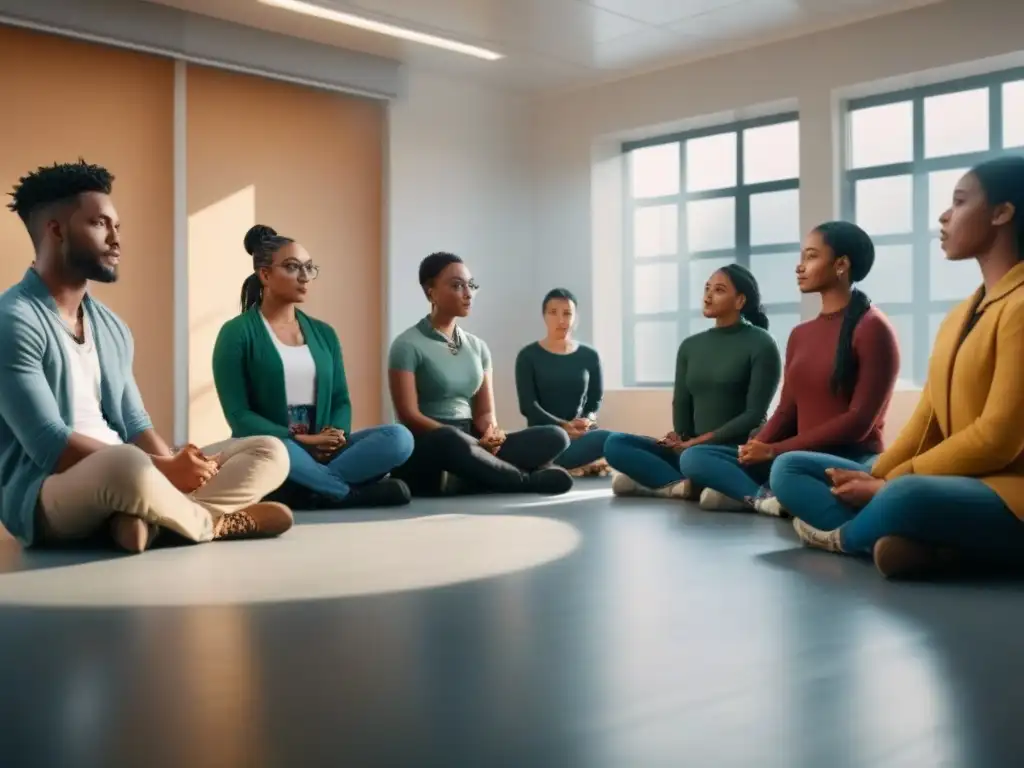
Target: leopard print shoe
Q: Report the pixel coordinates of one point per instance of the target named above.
(265, 519)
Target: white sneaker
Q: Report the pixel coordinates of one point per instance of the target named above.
(624, 485)
(714, 501)
(770, 506)
(680, 491)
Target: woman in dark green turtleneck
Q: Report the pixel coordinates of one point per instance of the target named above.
(559, 381)
(725, 380)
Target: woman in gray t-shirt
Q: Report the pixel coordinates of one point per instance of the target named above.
(440, 381)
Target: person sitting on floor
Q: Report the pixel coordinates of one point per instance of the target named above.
(78, 451)
(725, 379)
(829, 402)
(280, 372)
(951, 487)
(440, 380)
(558, 381)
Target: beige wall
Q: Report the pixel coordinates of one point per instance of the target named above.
(309, 164)
(64, 99)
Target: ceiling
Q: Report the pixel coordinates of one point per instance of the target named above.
(558, 44)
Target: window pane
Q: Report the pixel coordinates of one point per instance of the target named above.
(771, 153)
(892, 276)
(885, 206)
(882, 135)
(955, 123)
(700, 271)
(699, 323)
(655, 288)
(654, 351)
(940, 193)
(780, 325)
(903, 324)
(711, 162)
(655, 170)
(951, 280)
(656, 231)
(1013, 114)
(776, 276)
(775, 217)
(711, 224)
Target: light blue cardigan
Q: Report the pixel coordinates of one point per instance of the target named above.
(36, 398)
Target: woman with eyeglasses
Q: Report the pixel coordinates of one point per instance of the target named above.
(440, 380)
(279, 372)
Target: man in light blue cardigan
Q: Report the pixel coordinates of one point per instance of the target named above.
(78, 452)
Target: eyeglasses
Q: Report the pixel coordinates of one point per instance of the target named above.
(461, 286)
(292, 268)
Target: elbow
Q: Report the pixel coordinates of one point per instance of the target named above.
(48, 444)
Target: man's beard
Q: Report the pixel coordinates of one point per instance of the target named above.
(86, 264)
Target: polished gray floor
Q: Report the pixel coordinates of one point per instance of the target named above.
(666, 637)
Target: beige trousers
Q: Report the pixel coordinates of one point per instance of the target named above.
(76, 503)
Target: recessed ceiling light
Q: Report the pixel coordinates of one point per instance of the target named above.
(329, 14)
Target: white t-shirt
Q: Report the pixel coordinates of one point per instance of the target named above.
(299, 370)
(87, 413)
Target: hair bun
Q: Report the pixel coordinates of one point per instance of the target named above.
(256, 235)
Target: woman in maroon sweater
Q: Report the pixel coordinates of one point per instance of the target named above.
(831, 402)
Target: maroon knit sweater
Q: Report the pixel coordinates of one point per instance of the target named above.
(810, 417)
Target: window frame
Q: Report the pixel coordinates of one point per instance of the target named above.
(740, 253)
(921, 306)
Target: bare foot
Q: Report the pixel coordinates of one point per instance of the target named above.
(129, 533)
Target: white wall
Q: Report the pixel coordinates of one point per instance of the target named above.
(460, 180)
(579, 188)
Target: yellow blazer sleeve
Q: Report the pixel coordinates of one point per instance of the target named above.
(907, 442)
(995, 438)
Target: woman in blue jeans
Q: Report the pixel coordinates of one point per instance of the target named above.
(559, 382)
(725, 379)
(839, 376)
(279, 372)
(951, 488)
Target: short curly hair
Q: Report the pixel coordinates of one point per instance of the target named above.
(57, 183)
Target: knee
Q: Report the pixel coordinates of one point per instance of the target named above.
(448, 439)
(400, 441)
(128, 468)
(903, 491)
(272, 455)
(613, 446)
(796, 463)
(693, 461)
(555, 439)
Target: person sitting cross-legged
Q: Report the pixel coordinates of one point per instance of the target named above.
(78, 452)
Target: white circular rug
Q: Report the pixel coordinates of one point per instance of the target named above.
(316, 561)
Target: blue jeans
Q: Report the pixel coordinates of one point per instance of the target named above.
(368, 455)
(718, 467)
(584, 450)
(961, 513)
(643, 460)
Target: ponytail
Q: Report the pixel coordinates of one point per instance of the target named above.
(755, 316)
(252, 293)
(261, 242)
(844, 374)
(745, 283)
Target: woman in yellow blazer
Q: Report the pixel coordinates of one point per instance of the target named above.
(952, 484)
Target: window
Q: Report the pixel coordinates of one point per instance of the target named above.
(695, 202)
(905, 153)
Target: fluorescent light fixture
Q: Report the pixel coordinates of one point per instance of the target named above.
(329, 14)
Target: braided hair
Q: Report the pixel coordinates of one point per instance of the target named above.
(745, 283)
(261, 242)
(847, 239)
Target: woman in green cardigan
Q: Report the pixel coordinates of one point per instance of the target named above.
(279, 372)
